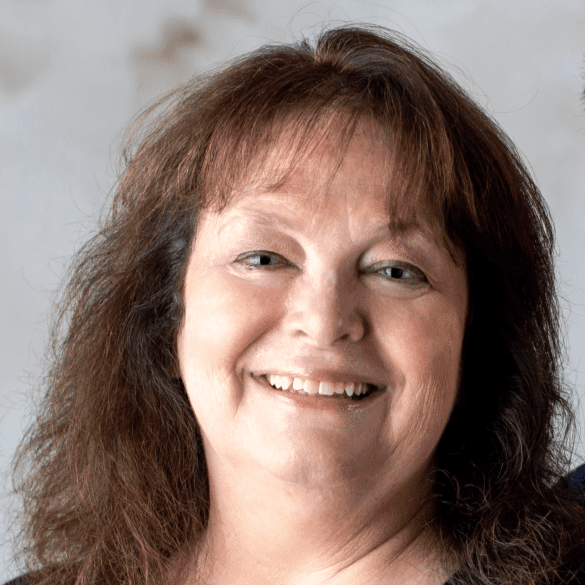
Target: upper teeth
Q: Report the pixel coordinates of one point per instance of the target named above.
(314, 387)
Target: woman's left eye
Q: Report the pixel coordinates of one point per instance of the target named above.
(403, 272)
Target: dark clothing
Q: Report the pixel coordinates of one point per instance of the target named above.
(18, 581)
(575, 481)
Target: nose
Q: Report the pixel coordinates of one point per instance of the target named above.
(325, 311)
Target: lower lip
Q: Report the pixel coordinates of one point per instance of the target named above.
(335, 402)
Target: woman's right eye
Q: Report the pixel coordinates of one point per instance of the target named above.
(261, 254)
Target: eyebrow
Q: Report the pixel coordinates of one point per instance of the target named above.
(271, 219)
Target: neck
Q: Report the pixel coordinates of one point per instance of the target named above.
(263, 530)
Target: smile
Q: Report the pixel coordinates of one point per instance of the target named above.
(305, 386)
(311, 388)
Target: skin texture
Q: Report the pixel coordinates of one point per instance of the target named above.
(299, 495)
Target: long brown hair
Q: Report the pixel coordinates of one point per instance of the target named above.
(116, 487)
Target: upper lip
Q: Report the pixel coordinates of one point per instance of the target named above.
(332, 376)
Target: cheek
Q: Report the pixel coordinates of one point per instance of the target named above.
(423, 346)
(423, 350)
(221, 321)
(423, 340)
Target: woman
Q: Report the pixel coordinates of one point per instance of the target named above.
(317, 340)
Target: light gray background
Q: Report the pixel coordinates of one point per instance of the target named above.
(73, 73)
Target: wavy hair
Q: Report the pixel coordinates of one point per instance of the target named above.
(112, 473)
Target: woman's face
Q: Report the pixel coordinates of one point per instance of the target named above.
(332, 289)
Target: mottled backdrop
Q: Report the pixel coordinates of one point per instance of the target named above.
(73, 73)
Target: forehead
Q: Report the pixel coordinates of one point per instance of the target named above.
(310, 171)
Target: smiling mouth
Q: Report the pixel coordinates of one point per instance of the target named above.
(366, 392)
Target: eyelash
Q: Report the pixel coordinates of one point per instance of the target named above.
(418, 276)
